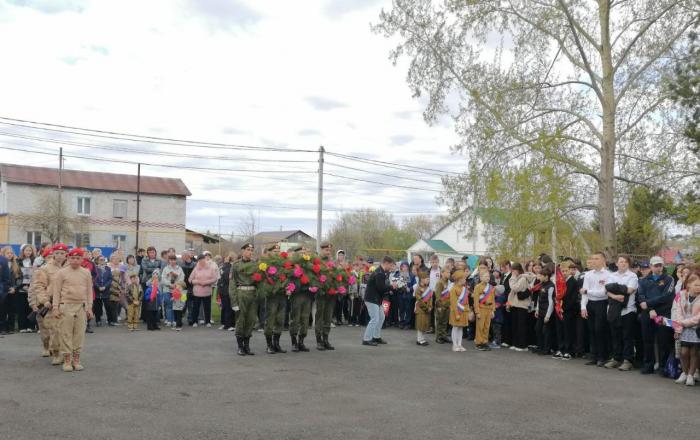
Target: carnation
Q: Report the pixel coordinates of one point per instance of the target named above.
(316, 268)
(339, 278)
(283, 277)
(332, 291)
(317, 261)
(304, 279)
(257, 277)
(298, 272)
(352, 279)
(290, 288)
(313, 289)
(272, 270)
(262, 267)
(341, 290)
(287, 265)
(284, 254)
(322, 278)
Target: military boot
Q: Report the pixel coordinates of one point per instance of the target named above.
(246, 344)
(276, 343)
(67, 367)
(302, 347)
(320, 346)
(76, 362)
(270, 345)
(45, 352)
(327, 344)
(56, 358)
(241, 348)
(295, 346)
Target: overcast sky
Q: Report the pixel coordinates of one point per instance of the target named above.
(262, 73)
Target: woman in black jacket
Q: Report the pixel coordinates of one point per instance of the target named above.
(377, 286)
(228, 318)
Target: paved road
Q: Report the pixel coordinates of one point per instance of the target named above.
(191, 385)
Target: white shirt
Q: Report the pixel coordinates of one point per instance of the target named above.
(434, 277)
(594, 282)
(630, 280)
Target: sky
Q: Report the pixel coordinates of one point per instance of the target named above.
(292, 75)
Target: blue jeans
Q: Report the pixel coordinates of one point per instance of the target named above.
(406, 305)
(376, 319)
(168, 307)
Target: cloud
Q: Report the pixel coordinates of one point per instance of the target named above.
(405, 114)
(309, 132)
(401, 139)
(99, 49)
(323, 104)
(51, 6)
(72, 60)
(234, 131)
(225, 15)
(338, 8)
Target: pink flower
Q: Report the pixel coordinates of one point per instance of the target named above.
(341, 290)
(330, 265)
(313, 289)
(298, 272)
(322, 278)
(352, 279)
(272, 270)
(290, 288)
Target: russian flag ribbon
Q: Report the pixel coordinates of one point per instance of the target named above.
(462, 300)
(425, 296)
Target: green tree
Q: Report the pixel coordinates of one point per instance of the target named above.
(685, 89)
(576, 83)
(638, 233)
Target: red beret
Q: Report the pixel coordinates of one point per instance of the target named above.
(76, 252)
(59, 247)
(47, 252)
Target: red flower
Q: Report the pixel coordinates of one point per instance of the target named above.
(339, 278)
(287, 265)
(332, 291)
(304, 279)
(284, 254)
(316, 268)
(283, 277)
(317, 261)
(257, 277)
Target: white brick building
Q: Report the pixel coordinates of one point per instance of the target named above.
(99, 207)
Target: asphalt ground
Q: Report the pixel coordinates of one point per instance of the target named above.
(192, 385)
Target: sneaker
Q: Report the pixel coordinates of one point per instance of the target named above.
(208, 325)
(332, 325)
(696, 376)
(460, 348)
(565, 357)
(172, 328)
(626, 366)
(495, 346)
(211, 321)
(690, 381)
(23, 331)
(201, 322)
(682, 378)
(520, 349)
(231, 329)
(222, 327)
(611, 364)
(557, 355)
(177, 329)
(30, 330)
(513, 347)
(194, 325)
(504, 345)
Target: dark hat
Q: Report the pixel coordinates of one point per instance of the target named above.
(644, 265)
(370, 260)
(326, 244)
(465, 257)
(246, 246)
(200, 257)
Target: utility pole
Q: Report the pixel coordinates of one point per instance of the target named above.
(319, 212)
(138, 204)
(59, 218)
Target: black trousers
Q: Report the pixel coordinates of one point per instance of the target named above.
(22, 309)
(622, 336)
(226, 311)
(543, 331)
(201, 301)
(651, 334)
(178, 318)
(519, 320)
(7, 313)
(598, 329)
(506, 328)
(97, 306)
(566, 331)
(152, 319)
(341, 309)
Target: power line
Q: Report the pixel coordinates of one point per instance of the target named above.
(382, 174)
(142, 138)
(383, 183)
(303, 208)
(394, 165)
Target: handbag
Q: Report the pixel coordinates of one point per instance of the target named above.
(673, 367)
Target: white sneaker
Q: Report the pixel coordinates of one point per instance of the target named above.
(30, 330)
(231, 329)
(455, 349)
(172, 328)
(332, 325)
(194, 325)
(513, 347)
(201, 321)
(460, 348)
(696, 376)
(23, 331)
(177, 329)
(682, 378)
(690, 381)
(222, 327)
(208, 325)
(211, 321)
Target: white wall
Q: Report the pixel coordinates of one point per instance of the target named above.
(168, 213)
(454, 235)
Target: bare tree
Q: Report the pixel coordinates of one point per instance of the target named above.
(574, 83)
(48, 215)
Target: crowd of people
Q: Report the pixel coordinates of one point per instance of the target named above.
(620, 314)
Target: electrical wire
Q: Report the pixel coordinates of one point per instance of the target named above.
(383, 184)
(381, 174)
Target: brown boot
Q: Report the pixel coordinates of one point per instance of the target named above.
(76, 362)
(55, 358)
(45, 352)
(67, 367)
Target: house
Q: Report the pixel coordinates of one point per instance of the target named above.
(455, 239)
(286, 239)
(195, 241)
(96, 209)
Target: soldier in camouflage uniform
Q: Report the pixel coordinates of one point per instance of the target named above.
(325, 306)
(275, 305)
(299, 315)
(243, 299)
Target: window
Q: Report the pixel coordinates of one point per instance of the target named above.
(120, 208)
(82, 239)
(84, 205)
(34, 238)
(118, 241)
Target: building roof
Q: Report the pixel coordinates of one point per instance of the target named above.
(491, 216)
(440, 246)
(274, 236)
(92, 180)
(206, 238)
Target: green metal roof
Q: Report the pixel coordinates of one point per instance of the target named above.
(440, 246)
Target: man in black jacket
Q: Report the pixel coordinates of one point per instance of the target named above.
(655, 297)
(377, 286)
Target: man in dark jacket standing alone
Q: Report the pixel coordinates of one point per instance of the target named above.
(655, 297)
(377, 285)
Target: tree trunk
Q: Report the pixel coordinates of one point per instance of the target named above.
(606, 185)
